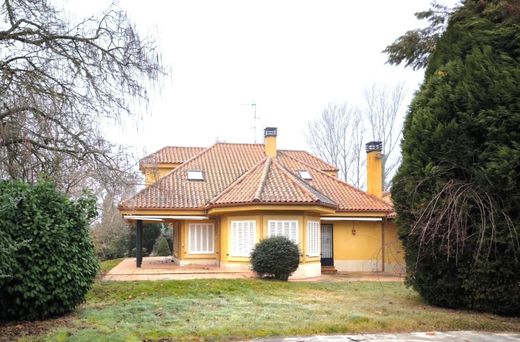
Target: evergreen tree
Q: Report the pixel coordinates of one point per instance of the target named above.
(162, 247)
(457, 192)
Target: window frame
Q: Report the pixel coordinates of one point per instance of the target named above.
(190, 237)
(232, 251)
(276, 221)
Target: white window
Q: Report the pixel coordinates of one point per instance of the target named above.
(201, 238)
(313, 238)
(243, 238)
(195, 175)
(304, 174)
(289, 229)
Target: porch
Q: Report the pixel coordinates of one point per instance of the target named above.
(162, 268)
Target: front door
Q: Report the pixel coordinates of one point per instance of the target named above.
(327, 257)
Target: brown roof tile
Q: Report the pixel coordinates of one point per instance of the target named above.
(241, 173)
(271, 182)
(172, 154)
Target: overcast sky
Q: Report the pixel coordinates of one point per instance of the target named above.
(290, 57)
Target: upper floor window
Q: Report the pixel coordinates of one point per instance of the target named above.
(195, 175)
(304, 174)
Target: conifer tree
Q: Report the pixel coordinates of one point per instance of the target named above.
(457, 192)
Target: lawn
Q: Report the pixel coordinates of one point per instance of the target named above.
(238, 309)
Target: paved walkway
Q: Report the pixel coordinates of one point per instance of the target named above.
(449, 336)
(162, 268)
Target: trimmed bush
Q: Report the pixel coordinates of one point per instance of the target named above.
(276, 257)
(51, 262)
(162, 247)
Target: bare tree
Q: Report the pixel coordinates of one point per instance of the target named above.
(383, 106)
(58, 80)
(336, 136)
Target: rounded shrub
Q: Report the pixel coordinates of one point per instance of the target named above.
(51, 264)
(276, 257)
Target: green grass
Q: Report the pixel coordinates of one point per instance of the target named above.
(238, 309)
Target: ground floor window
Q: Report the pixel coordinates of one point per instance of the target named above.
(313, 229)
(289, 229)
(243, 238)
(201, 238)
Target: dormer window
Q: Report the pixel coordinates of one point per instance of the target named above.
(304, 174)
(195, 175)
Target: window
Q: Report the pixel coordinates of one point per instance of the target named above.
(243, 238)
(201, 238)
(304, 174)
(313, 228)
(289, 229)
(195, 175)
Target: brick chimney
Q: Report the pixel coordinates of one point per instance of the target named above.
(375, 168)
(270, 134)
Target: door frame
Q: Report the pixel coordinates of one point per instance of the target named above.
(327, 261)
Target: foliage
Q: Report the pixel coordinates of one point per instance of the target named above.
(111, 234)
(54, 264)
(59, 78)
(457, 193)
(151, 232)
(415, 47)
(276, 257)
(163, 249)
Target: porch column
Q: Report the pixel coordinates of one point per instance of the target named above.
(139, 243)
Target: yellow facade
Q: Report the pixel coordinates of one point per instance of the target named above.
(152, 173)
(375, 173)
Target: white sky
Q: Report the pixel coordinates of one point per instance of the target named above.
(290, 57)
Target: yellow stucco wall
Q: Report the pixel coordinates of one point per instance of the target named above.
(375, 173)
(394, 252)
(262, 220)
(152, 173)
(358, 246)
(184, 255)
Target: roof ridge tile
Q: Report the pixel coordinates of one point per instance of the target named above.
(261, 184)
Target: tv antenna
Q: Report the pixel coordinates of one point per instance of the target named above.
(255, 118)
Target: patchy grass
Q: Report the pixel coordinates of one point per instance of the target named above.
(238, 309)
(106, 265)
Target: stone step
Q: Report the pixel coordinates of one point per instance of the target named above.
(328, 269)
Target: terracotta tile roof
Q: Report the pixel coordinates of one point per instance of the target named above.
(347, 197)
(241, 173)
(172, 154)
(271, 182)
(309, 159)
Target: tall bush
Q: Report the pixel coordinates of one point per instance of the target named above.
(52, 263)
(457, 192)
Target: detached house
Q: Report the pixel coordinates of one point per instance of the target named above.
(223, 199)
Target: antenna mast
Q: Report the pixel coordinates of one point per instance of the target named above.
(255, 118)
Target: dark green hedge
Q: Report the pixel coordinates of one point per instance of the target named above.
(51, 262)
(276, 257)
(457, 191)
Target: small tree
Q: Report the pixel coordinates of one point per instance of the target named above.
(162, 247)
(276, 257)
(50, 263)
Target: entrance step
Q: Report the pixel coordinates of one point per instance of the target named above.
(328, 270)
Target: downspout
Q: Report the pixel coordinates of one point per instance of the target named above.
(383, 244)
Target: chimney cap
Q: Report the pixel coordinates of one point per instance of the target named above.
(374, 146)
(270, 132)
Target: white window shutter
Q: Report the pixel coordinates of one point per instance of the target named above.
(243, 238)
(201, 238)
(313, 238)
